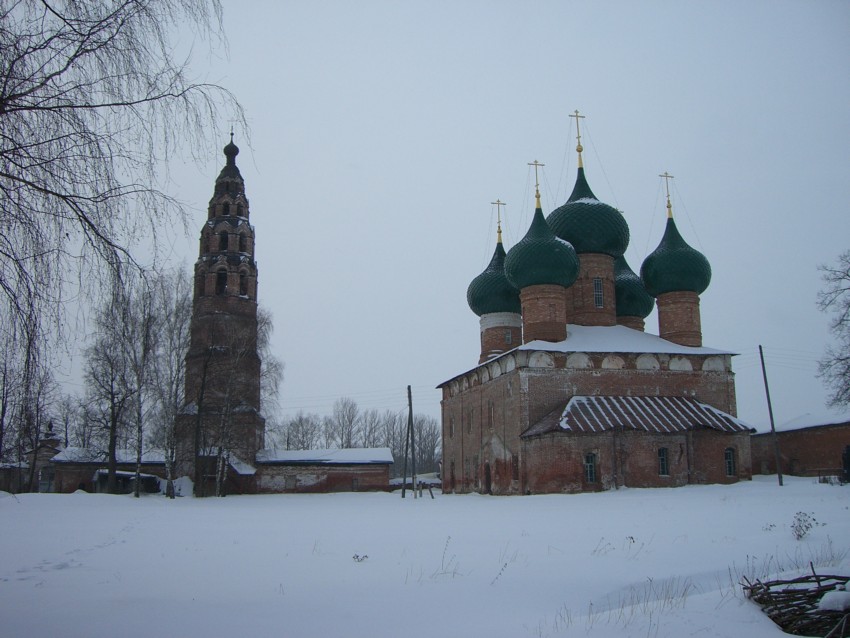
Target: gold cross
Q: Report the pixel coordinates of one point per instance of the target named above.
(667, 177)
(579, 147)
(498, 204)
(535, 164)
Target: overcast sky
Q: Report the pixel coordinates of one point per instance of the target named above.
(380, 131)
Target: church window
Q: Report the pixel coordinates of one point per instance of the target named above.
(490, 413)
(590, 467)
(663, 462)
(239, 210)
(508, 337)
(243, 284)
(515, 467)
(243, 244)
(598, 298)
(222, 241)
(731, 465)
(451, 427)
(226, 208)
(469, 422)
(221, 282)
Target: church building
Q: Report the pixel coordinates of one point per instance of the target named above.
(570, 394)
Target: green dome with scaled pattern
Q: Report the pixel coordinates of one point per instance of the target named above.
(541, 258)
(632, 299)
(491, 291)
(674, 266)
(588, 224)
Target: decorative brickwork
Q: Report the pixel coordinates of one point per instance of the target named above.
(223, 366)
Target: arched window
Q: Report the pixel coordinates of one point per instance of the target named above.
(222, 241)
(239, 210)
(598, 297)
(590, 467)
(225, 208)
(731, 464)
(243, 244)
(243, 284)
(221, 282)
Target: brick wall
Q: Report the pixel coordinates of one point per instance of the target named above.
(276, 479)
(805, 452)
(584, 311)
(544, 313)
(679, 318)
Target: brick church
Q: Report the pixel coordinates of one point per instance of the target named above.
(570, 394)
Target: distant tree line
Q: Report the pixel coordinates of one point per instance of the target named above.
(348, 426)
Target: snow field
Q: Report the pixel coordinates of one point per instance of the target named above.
(633, 562)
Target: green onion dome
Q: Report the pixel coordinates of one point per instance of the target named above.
(541, 257)
(491, 291)
(632, 298)
(674, 266)
(588, 224)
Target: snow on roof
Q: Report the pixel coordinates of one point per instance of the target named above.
(584, 414)
(241, 467)
(809, 420)
(327, 457)
(615, 339)
(90, 455)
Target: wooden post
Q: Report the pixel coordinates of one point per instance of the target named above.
(772, 426)
(406, 443)
(412, 440)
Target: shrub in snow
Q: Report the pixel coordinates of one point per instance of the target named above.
(802, 524)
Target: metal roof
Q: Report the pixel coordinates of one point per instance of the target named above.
(656, 414)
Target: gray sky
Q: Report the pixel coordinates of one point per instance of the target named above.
(382, 130)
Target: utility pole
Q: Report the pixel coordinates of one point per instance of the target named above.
(772, 426)
(412, 440)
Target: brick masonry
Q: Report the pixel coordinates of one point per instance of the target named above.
(486, 410)
(679, 318)
(811, 451)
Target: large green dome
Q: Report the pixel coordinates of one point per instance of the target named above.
(674, 266)
(541, 257)
(632, 298)
(491, 291)
(588, 224)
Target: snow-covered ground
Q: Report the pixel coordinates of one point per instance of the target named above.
(633, 562)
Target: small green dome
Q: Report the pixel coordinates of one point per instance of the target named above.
(491, 291)
(541, 257)
(588, 224)
(632, 298)
(674, 266)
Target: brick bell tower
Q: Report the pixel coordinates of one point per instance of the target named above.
(221, 422)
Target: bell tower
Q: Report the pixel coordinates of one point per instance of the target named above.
(222, 419)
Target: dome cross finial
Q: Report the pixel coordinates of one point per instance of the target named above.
(667, 177)
(498, 204)
(536, 164)
(579, 147)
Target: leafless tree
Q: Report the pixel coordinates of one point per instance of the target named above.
(834, 367)
(94, 98)
(111, 383)
(302, 431)
(344, 423)
(371, 432)
(173, 299)
(428, 443)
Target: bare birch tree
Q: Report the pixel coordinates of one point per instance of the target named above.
(834, 367)
(95, 98)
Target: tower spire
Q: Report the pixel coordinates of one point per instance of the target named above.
(667, 177)
(498, 204)
(536, 164)
(579, 147)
